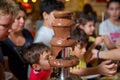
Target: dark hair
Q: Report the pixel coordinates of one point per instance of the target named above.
(21, 7)
(80, 37)
(87, 9)
(50, 5)
(112, 1)
(84, 19)
(32, 53)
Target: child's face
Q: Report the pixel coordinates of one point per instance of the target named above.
(79, 51)
(114, 10)
(48, 18)
(89, 27)
(44, 64)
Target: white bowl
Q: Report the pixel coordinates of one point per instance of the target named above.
(91, 76)
(8, 75)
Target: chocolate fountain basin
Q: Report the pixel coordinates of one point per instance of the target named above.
(63, 14)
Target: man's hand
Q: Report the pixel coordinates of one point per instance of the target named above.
(107, 68)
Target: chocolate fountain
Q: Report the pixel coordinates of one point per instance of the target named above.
(61, 42)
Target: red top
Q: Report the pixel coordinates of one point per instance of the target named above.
(42, 75)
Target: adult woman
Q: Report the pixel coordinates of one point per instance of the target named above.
(13, 46)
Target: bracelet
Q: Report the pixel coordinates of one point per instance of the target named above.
(98, 54)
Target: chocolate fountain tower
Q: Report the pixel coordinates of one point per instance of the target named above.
(62, 26)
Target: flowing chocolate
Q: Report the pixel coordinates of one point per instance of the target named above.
(62, 26)
(62, 63)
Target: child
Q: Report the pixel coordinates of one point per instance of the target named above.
(87, 24)
(47, 8)
(37, 55)
(110, 28)
(105, 68)
(79, 47)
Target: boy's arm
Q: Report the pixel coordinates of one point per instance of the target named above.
(105, 68)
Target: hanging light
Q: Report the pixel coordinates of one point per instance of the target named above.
(34, 1)
(25, 1)
(19, 1)
(67, 0)
(27, 6)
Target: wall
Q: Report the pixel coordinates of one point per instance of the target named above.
(77, 5)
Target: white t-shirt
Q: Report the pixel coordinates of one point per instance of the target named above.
(111, 30)
(44, 34)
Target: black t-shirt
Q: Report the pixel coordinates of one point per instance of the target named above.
(14, 53)
(1, 55)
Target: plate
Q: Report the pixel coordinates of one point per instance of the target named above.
(107, 78)
(92, 76)
(8, 75)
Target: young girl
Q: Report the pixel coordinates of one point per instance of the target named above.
(110, 28)
(87, 24)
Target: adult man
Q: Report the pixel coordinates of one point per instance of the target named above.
(8, 9)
